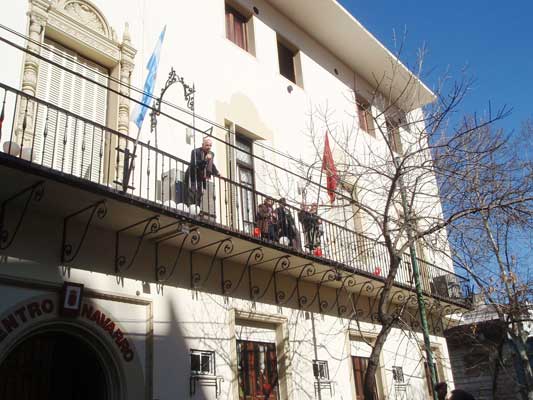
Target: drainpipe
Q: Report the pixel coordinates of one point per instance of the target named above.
(418, 287)
(315, 348)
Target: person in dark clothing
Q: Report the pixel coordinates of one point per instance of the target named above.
(311, 225)
(286, 225)
(459, 394)
(200, 170)
(266, 219)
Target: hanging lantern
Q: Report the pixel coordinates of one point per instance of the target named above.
(317, 252)
(377, 271)
(257, 232)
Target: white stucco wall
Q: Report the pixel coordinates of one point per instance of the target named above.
(247, 90)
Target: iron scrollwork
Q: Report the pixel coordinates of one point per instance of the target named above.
(307, 270)
(255, 254)
(151, 226)
(347, 282)
(162, 274)
(35, 192)
(227, 247)
(282, 264)
(329, 275)
(68, 254)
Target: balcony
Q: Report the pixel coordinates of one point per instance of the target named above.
(81, 155)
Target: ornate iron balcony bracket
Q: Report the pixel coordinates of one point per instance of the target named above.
(329, 275)
(347, 282)
(374, 315)
(162, 274)
(255, 254)
(306, 271)
(35, 192)
(225, 244)
(151, 225)
(68, 254)
(282, 264)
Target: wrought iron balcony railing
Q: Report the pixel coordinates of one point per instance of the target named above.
(43, 135)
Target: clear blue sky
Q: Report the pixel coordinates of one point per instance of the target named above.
(493, 38)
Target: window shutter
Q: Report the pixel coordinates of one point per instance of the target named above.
(71, 145)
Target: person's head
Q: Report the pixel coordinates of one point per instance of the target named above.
(442, 390)
(282, 202)
(269, 201)
(207, 143)
(459, 394)
(314, 208)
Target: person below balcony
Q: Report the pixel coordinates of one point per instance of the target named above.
(266, 219)
(286, 225)
(311, 225)
(200, 170)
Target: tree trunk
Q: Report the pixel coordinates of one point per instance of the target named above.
(524, 365)
(497, 365)
(386, 320)
(373, 362)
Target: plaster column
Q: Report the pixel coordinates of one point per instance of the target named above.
(127, 54)
(26, 109)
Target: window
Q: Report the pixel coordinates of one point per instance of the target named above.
(237, 28)
(74, 147)
(393, 133)
(320, 370)
(364, 112)
(289, 61)
(257, 370)
(360, 365)
(428, 377)
(397, 374)
(245, 174)
(202, 362)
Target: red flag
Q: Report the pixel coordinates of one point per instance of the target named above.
(331, 172)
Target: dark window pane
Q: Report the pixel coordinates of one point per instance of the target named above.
(236, 28)
(206, 363)
(286, 62)
(195, 362)
(359, 369)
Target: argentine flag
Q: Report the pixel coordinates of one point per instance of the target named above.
(149, 85)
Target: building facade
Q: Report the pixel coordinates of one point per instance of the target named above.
(482, 356)
(113, 288)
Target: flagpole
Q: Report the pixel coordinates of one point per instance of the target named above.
(128, 166)
(148, 90)
(322, 169)
(320, 183)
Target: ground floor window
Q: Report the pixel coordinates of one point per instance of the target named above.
(360, 365)
(427, 372)
(257, 370)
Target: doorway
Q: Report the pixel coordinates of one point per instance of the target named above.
(54, 365)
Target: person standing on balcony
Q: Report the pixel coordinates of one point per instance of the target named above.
(200, 170)
(266, 219)
(286, 225)
(311, 225)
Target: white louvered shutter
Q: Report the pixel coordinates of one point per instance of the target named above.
(67, 143)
